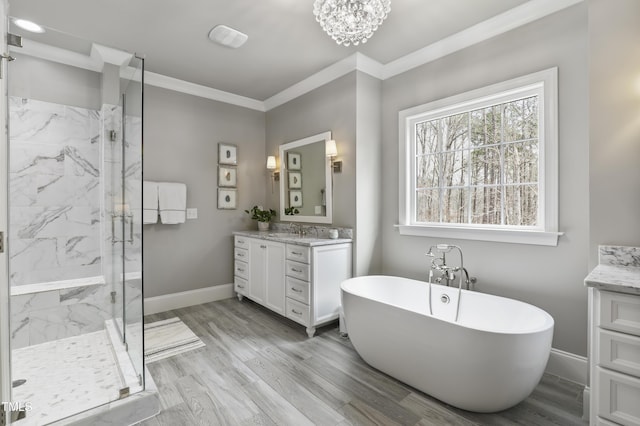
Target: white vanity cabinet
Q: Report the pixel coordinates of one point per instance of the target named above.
(301, 282)
(615, 358)
(259, 271)
(313, 277)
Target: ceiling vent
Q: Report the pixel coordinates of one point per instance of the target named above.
(227, 36)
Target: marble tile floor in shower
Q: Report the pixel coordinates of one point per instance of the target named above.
(65, 377)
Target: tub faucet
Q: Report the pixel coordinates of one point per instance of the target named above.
(447, 273)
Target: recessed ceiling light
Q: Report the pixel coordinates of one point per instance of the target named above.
(28, 25)
(227, 36)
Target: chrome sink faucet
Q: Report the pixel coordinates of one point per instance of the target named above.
(296, 229)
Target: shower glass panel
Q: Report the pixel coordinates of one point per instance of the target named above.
(132, 185)
(74, 237)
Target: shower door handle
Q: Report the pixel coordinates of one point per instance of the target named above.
(125, 218)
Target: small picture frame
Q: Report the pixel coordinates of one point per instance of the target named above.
(295, 180)
(295, 198)
(227, 199)
(227, 154)
(227, 177)
(294, 161)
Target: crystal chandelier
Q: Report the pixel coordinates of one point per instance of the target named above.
(351, 21)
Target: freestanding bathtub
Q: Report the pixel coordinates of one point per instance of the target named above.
(489, 360)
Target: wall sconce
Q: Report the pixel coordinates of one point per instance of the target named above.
(271, 166)
(332, 152)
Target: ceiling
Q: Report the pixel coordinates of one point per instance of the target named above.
(285, 45)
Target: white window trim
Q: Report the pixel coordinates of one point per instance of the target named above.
(547, 233)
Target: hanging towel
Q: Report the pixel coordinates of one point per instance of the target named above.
(149, 202)
(172, 199)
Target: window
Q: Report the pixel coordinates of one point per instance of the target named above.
(483, 165)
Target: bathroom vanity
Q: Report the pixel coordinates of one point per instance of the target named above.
(297, 277)
(614, 326)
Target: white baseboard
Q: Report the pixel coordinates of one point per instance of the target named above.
(168, 302)
(586, 403)
(568, 366)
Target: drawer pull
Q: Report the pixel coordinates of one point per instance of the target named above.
(296, 312)
(240, 286)
(297, 253)
(240, 269)
(296, 270)
(263, 246)
(240, 255)
(296, 290)
(240, 241)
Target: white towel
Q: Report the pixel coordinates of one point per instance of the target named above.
(149, 202)
(172, 198)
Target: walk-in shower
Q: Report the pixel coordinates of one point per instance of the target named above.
(75, 231)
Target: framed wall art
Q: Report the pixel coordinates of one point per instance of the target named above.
(227, 154)
(295, 180)
(227, 176)
(294, 161)
(295, 198)
(227, 199)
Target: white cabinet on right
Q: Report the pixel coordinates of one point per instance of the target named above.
(312, 279)
(615, 358)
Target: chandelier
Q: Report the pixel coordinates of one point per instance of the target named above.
(351, 21)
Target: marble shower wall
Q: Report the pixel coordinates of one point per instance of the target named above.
(56, 314)
(54, 195)
(65, 187)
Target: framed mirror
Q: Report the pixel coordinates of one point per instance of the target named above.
(305, 180)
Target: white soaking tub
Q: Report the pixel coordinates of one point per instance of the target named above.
(489, 360)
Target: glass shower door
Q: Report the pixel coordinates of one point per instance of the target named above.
(125, 215)
(132, 186)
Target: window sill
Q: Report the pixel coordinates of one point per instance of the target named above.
(539, 238)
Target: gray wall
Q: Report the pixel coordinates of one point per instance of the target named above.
(44, 80)
(614, 117)
(549, 277)
(181, 136)
(330, 107)
(350, 107)
(368, 233)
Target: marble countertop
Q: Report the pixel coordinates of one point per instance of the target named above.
(623, 279)
(283, 237)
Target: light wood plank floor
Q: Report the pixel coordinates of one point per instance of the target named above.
(258, 368)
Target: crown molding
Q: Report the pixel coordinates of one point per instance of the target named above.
(499, 24)
(95, 62)
(356, 61)
(108, 55)
(165, 82)
(56, 54)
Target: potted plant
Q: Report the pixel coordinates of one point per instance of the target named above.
(290, 211)
(262, 216)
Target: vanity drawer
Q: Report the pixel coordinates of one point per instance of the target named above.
(298, 290)
(297, 311)
(242, 242)
(240, 285)
(297, 270)
(618, 397)
(620, 352)
(620, 312)
(298, 253)
(241, 254)
(241, 269)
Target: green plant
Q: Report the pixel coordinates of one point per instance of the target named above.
(261, 215)
(290, 211)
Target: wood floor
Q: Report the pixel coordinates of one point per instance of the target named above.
(260, 369)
